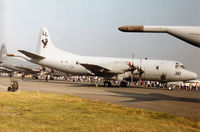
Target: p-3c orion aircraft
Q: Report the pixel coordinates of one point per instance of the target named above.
(119, 69)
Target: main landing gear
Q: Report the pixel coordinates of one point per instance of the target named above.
(107, 84)
(123, 84)
(35, 77)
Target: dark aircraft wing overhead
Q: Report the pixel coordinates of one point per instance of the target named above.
(31, 55)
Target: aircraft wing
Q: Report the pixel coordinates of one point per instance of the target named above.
(96, 69)
(25, 69)
(5, 70)
(31, 55)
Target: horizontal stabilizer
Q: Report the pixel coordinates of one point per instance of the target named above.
(31, 55)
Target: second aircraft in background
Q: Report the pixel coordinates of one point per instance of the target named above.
(11, 64)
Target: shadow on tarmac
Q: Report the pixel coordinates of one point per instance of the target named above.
(80, 84)
(88, 84)
(137, 97)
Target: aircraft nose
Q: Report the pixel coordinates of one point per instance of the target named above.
(195, 76)
(189, 75)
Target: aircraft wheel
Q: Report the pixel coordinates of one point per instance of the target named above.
(123, 84)
(51, 78)
(9, 89)
(107, 84)
(13, 89)
(35, 78)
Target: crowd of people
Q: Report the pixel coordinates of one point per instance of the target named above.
(190, 85)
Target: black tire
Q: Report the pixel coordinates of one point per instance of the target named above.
(51, 78)
(107, 84)
(13, 90)
(16, 85)
(123, 84)
(9, 89)
(35, 78)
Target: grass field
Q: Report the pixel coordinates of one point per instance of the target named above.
(25, 111)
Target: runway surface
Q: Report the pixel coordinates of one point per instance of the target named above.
(180, 102)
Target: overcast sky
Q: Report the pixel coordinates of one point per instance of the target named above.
(90, 27)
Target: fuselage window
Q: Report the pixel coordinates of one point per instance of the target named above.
(157, 67)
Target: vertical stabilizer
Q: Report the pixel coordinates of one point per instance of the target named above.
(3, 51)
(45, 46)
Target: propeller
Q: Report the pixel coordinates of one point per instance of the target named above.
(140, 71)
(132, 67)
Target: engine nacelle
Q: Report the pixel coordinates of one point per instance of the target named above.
(124, 76)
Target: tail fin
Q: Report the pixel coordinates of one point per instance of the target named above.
(3, 51)
(46, 48)
(45, 45)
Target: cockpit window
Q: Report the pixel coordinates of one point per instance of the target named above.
(182, 66)
(179, 66)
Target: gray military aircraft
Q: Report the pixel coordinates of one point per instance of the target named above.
(2, 69)
(119, 69)
(190, 34)
(17, 65)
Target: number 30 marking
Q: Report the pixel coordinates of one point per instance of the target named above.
(177, 73)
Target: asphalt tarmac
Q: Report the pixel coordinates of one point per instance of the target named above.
(181, 102)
